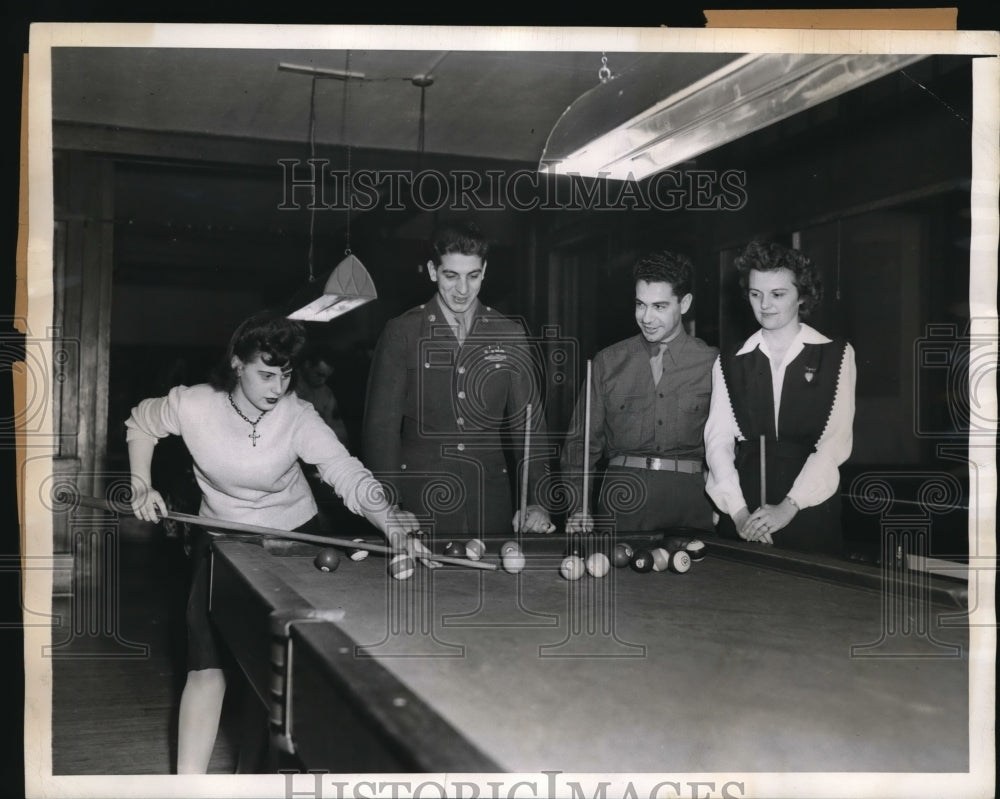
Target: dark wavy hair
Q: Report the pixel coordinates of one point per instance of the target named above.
(463, 238)
(769, 257)
(277, 339)
(665, 267)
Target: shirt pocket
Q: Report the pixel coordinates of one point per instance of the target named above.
(630, 422)
(692, 415)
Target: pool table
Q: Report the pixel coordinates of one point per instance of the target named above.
(755, 660)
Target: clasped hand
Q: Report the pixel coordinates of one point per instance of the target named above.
(764, 522)
(536, 520)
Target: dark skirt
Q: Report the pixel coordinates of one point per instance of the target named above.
(205, 647)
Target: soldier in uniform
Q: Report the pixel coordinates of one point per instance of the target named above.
(447, 401)
(649, 402)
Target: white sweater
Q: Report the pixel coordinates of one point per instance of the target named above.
(262, 484)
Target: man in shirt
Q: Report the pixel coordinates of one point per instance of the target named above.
(649, 399)
(448, 392)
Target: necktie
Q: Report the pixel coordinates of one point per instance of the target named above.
(656, 362)
(462, 328)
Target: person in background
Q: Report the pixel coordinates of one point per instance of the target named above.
(649, 400)
(246, 434)
(313, 386)
(790, 390)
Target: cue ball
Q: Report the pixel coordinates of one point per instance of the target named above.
(401, 567)
(327, 560)
(513, 562)
(475, 549)
(696, 549)
(661, 559)
(680, 562)
(642, 561)
(508, 547)
(598, 564)
(622, 555)
(454, 550)
(359, 554)
(572, 567)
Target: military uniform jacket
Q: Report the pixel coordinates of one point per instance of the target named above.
(444, 422)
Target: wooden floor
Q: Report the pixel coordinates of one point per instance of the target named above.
(115, 701)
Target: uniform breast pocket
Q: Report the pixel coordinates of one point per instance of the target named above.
(693, 414)
(630, 422)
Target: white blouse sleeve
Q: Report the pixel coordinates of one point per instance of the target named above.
(819, 477)
(721, 433)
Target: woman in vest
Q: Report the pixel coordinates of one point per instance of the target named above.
(782, 411)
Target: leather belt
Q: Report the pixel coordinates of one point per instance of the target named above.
(657, 464)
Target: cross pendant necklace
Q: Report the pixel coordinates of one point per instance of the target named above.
(254, 435)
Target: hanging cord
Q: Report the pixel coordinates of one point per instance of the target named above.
(312, 166)
(347, 144)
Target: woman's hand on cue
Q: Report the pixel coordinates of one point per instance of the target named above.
(147, 503)
(768, 520)
(536, 520)
(399, 525)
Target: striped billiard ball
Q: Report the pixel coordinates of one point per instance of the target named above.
(680, 562)
(402, 567)
(475, 549)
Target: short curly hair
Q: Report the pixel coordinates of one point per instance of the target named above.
(768, 257)
(462, 238)
(664, 266)
(277, 339)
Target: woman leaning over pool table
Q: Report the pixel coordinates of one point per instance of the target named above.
(246, 433)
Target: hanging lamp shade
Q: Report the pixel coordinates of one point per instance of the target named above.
(347, 286)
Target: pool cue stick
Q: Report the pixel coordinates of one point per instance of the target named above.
(586, 446)
(524, 474)
(240, 527)
(763, 473)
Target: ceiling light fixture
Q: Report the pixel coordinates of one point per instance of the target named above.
(746, 94)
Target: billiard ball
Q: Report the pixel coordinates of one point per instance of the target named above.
(513, 562)
(696, 549)
(453, 549)
(572, 567)
(327, 560)
(402, 567)
(642, 561)
(598, 564)
(359, 554)
(509, 546)
(622, 554)
(680, 562)
(475, 549)
(675, 542)
(661, 559)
